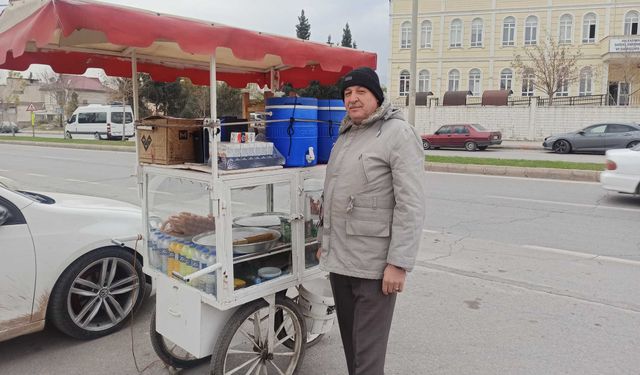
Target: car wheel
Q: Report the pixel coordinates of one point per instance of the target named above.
(97, 136)
(67, 135)
(425, 144)
(96, 294)
(482, 148)
(562, 147)
(470, 146)
(632, 144)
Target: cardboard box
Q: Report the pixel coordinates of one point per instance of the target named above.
(167, 140)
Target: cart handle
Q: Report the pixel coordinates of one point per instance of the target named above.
(121, 241)
(196, 274)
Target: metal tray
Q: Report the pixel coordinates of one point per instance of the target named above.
(209, 238)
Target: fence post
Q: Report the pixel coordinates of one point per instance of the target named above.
(532, 120)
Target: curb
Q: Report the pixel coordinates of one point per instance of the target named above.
(546, 173)
(76, 146)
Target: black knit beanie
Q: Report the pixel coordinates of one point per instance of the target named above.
(365, 77)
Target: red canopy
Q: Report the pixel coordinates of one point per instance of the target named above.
(73, 35)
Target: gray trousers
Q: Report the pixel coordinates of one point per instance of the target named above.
(364, 317)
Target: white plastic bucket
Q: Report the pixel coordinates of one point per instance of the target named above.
(317, 305)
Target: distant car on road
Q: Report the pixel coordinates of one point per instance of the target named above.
(622, 172)
(468, 136)
(8, 127)
(60, 266)
(595, 138)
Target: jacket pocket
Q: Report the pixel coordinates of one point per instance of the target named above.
(368, 228)
(374, 167)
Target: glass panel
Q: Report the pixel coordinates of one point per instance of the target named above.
(313, 189)
(262, 233)
(180, 224)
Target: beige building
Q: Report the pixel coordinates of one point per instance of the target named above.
(470, 45)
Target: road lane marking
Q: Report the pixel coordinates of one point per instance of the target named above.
(515, 177)
(563, 203)
(430, 231)
(4, 170)
(578, 254)
(73, 180)
(37, 175)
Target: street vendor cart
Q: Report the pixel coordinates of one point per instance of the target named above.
(228, 250)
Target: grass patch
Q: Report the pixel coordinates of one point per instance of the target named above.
(67, 141)
(516, 162)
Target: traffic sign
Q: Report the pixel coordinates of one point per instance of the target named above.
(31, 108)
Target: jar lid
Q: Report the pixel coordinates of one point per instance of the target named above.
(269, 272)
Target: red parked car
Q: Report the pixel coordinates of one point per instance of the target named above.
(471, 137)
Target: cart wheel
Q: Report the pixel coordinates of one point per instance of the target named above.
(312, 338)
(170, 353)
(243, 343)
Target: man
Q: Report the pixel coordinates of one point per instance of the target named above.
(373, 214)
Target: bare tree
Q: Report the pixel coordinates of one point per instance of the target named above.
(10, 96)
(630, 74)
(553, 65)
(60, 91)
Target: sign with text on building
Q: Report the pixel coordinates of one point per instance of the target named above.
(625, 45)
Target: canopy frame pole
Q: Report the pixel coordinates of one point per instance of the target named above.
(274, 80)
(136, 118)
(214, 134)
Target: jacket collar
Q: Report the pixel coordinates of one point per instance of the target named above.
(383, 112)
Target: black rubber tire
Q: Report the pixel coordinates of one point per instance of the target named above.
(470, 146)
(229, 331)
(57, 311)
(160, 347)
(425, 144)
(97, 136)
(67, 135)
(482, 148)
(561, 146)
(632, 144)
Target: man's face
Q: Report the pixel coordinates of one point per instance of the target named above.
(359, 102)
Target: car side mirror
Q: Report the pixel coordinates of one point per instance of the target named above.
(581, 132)
(436, 133)
(4, 215)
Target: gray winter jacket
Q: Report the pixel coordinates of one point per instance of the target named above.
(374, 200)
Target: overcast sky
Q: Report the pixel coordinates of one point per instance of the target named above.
(368, 20)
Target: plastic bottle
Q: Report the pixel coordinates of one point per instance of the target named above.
(194, 260)
(197, 265)
(183, 251)
(154, 250)
(171, 259)
(208, 258)
(164, 252)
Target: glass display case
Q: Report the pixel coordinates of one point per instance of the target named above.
(236, 238)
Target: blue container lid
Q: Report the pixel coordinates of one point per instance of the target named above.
(332, 103)
(288, 100)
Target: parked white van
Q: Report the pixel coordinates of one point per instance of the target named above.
(100, 122)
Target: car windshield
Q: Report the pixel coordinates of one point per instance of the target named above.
(479, 127)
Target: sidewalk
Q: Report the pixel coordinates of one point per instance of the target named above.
(520, 145)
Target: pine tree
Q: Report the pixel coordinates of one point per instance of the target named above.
(329, 40)
(355, 46)
(303, 28)
(346, 36)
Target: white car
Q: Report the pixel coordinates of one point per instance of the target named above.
(622, 172)
(58, 263)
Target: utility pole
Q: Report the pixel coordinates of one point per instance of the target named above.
(413, 63)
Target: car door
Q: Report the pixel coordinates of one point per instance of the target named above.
(441, 136)
(620, 135)
(17, 271)
(591, 138)
(458, 136)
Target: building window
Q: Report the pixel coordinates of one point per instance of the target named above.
(425, 34)
(475, 77)
(476, 33)
(506, 78)
(586, 81)
(589, 28)
(566, 29)
(423, 81)
(531, 31)
(563, 87)
(528, 80)
(405, 35)
(454, 80)
(404, 83)
(508, 31)
(631, 21)
(455, 36)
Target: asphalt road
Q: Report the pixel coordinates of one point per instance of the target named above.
(514, 276)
